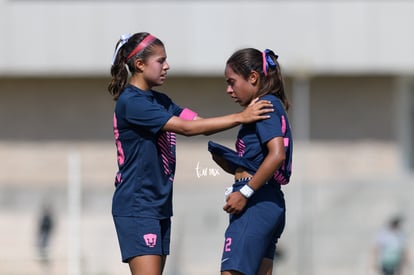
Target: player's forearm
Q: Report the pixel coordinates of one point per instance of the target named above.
(204, 126)
(218, 124)
(266, 170)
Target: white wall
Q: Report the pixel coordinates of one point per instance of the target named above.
(78, 37)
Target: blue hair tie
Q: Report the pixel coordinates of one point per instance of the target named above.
(268, 61)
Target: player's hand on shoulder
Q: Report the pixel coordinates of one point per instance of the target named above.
(257, 110)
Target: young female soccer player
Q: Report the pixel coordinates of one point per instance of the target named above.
(144, 125)
(260, 166)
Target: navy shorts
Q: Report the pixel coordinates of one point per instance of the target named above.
(142, 236)
(252, 235)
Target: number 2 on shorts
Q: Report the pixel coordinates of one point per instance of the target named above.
(227, 245)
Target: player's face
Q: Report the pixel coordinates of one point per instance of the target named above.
(156, 66)
(240, 90)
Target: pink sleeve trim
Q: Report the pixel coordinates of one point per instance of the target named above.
(187, 114)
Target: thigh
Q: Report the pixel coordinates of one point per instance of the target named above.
(147, 265)
(266, 267)
(231, 272)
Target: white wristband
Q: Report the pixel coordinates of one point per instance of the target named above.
(246, 191)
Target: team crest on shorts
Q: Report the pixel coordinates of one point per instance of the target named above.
(150, 239)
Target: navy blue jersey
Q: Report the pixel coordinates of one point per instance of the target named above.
(252, 139)
(146, 155)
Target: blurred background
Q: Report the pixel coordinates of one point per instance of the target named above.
(349, 71)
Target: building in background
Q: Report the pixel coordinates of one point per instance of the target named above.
(349, 68)
(356, 55)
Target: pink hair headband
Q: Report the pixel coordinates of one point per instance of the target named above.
(142, 45)
(264, 63)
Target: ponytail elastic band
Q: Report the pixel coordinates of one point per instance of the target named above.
(142, 45)
(122, 41)
(268, 61)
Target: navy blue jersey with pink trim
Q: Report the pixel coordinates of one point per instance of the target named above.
(252, 139)
(146, 154)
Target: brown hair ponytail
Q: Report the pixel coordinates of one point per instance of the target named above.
(119, 74)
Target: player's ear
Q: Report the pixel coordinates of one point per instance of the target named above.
(253, 78)
(139, 64)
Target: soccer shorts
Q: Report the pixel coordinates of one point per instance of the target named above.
(142, 236)
(252, 235)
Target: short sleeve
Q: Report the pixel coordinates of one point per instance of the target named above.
(140, 111)
(272, 127)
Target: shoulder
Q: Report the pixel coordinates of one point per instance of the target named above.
(162, 99)
(274, 99)
(277, 104)
(129, 92)
(160, 95)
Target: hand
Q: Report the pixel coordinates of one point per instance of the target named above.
(256, 110)
(235, 203)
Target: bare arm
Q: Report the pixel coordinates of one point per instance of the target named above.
(254, 112)
(236, 201)
(270, 164)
